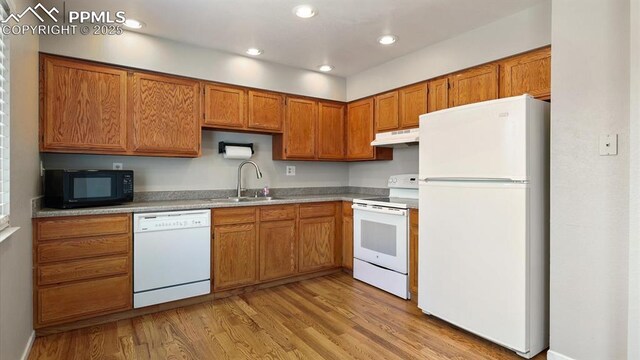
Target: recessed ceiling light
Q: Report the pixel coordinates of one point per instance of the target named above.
(133, 23)
(254, 51)
(305, 11)
(325, 68)
(387, 39)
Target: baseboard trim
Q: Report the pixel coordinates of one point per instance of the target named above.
(552, 355)
(27, 350)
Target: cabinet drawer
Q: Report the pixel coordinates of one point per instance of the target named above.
(414, 219)
(347, 210)
(317, 210)
(274, 213)
(234, 216)
(82, 270)
(83, 248)
(82, 226)
(85, 299)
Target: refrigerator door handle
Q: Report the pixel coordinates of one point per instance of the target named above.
(455, 179)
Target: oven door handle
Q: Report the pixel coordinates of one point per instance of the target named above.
(390, 211)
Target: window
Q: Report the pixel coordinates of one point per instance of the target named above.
(4, 122)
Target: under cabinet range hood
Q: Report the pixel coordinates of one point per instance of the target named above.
(398, 138)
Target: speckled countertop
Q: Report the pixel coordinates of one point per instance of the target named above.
(171, 205)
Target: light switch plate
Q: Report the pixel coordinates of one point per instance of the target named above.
(117, 166)
(291, 171)
(609, 145)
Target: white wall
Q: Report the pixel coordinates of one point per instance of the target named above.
(634, 184)
(376, 174)
(589, 193)
(211, 171)
(152, 53)
(526, 30)
(15, 252)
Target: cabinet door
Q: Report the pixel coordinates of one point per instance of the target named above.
(224, 106)
(278, 250)
(84, 107)
(166, 117)
(474, 85)
(386, 113)
(413, 103)
(234, 256)
(300, 129)
(360, 129)
(266, 111)
(529, 73)
(413, 251)
(438, 94)
(80, 300)
(317, 241)
(331, 138)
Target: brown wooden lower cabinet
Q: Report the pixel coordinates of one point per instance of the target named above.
(413, 251)
(278, 249)
(82, 267)
(347, 235)
(317, 240)
(234, 256)
(83, 264)
(83, 299)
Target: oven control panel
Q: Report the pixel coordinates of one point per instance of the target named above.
(404, 181)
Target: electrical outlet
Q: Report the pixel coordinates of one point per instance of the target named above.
(291, 171)
(117, 166)
(608, 145)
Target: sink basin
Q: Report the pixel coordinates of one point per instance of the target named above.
(247, 199)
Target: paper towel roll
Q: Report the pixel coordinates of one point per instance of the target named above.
(237, 152)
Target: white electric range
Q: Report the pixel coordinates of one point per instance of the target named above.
(381, 236)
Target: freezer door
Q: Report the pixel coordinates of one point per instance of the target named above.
(473, 263)
(484, 140)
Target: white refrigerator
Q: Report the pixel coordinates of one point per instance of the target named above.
(484, 220)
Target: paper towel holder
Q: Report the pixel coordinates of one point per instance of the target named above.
(222, 146)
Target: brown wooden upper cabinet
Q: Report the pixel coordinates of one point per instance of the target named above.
(224, 107)
(300, 128)
(528, 73)
(360, 126)
(360, 129)
(165, 115)
(474, 85)
(438, 94)
(386, 112)
(98, 109)
(413, 103)
(312, 130)
(400, 109)
(331, 134)
(266, 111)
(83, 107)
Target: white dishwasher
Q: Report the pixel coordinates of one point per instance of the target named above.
(171, 256)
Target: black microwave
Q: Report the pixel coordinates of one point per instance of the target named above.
(66, 189)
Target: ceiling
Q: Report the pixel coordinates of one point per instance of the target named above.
(343, 33)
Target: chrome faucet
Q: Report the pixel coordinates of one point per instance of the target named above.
(239, 185)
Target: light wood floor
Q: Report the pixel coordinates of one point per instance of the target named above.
(333, 317)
